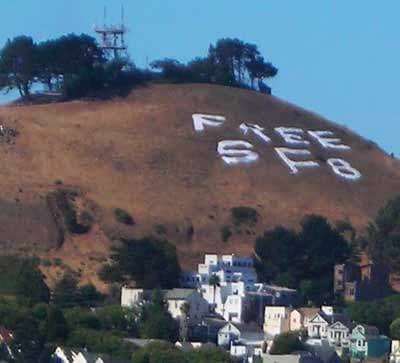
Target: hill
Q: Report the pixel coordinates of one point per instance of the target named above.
(142, 154)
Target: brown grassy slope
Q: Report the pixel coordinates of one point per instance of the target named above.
(142, 154)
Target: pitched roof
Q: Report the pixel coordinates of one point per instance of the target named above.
(5, 335)
(308, 312)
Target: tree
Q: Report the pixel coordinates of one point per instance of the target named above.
(149, 262)
(286, 343)
(383, 236)
(19, 65)
(28, 343)
(159, 353)
(184, 322)
(66, 293)
(156, 322)
(56, 325)
(395, 329)
(288, 258)
(89, 296)
(30, 286)
(214, 281)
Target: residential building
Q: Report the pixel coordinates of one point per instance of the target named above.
(249, 334)
(244, 341)
(338, 334)
(318, 325)
(395, 352)
(276, 320)
(366, 342)
(176, 299)
(229, 268)
(364, 281)
(300, 318)
(65, 355)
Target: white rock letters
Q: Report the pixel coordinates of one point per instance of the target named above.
(235, 152)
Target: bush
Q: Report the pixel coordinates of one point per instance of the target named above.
(286, 343)
(123, 217)
(225, 233)
(244, 215)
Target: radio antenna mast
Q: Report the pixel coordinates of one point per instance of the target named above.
(112, 37)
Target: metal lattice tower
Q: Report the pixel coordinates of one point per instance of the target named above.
(112, 37)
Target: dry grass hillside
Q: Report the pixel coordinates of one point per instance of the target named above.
(142, 154)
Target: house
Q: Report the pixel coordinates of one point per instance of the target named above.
(338, 333)
(365, 281)
(207, 330)
(176, 300)
(244, 341)
(228, 268)
(6, 336)
(395, 352)
(300, 318)
(244, 352)
(318, 325)
(65, 355)
(227, 299)
(276, 320)
(249, 334)
(366, 342)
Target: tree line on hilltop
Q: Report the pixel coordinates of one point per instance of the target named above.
(78, 67)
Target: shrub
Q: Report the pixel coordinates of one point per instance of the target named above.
(58, 262)
(244, 215)
(123, 217)
(46, 262)
(286, 343)
(225, 233)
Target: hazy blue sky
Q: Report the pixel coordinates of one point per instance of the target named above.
(339, 58)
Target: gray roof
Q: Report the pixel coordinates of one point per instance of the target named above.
(141, 343)
(178, 294)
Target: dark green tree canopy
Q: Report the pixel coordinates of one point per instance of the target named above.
(31, 288)
(383, 237)
(149, 262)
(305, 259)
(286, 343)
(230, 62)
(19, 65)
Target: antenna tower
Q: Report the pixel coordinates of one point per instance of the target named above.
(112, 37)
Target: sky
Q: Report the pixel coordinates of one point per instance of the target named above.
(338, 58)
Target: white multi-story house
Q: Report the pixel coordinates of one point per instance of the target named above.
(276, 320)
(227, 299)
(229, 268)
(235, 291)
(196, 306)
